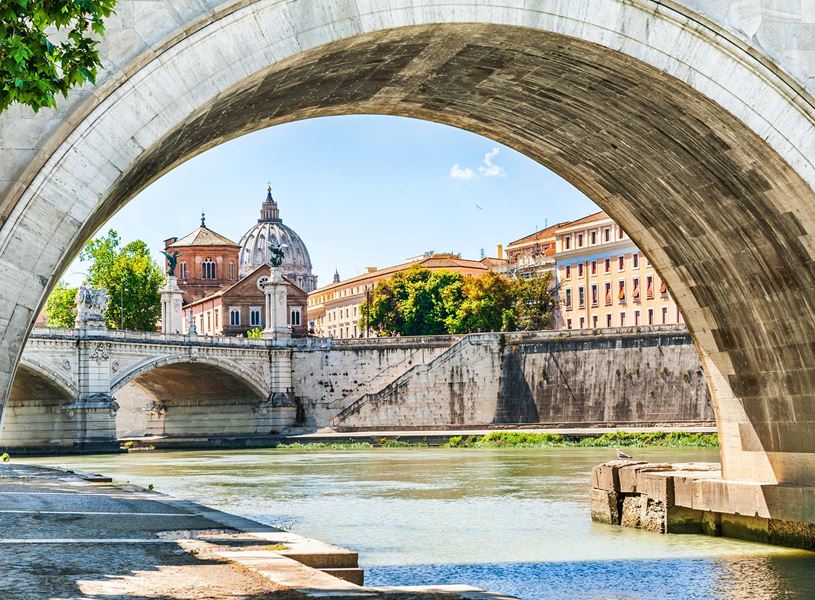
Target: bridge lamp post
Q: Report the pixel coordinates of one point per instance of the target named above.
(122, 291)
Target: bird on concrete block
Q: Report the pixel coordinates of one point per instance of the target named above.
(622, 455)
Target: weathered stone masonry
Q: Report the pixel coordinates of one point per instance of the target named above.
(575, 378)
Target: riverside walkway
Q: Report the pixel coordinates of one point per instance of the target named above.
(76, 535)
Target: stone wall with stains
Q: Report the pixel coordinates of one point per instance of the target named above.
(644, 376)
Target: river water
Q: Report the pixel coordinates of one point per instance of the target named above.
(509, 520)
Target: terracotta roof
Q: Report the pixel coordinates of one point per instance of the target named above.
(489, 261)
(598, 216)
(223, 291)
(203, 237)
(434, 261)
(541, 234)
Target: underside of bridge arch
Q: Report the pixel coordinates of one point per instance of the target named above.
(35, 415)
(189, 399)
(723, 217)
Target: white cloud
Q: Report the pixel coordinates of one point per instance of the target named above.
(489, 169)
(457, 172)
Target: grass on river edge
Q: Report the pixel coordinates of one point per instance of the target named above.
(518, 439)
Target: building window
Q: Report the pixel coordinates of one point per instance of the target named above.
(636, 318)
(636, 258)
(594, 322)
(580, 242)
(607, 234)
(208, 268)
(663, 290)
(649, 287)
(582, 322)
(622, 319)
(568, 323)
(580, 270)
(594, 267)
(254, 316)
(608, 293)
(295, 317)
(594, 299)
(608, 320)
(635, 293)
(182, 270)
(664, 315)
(620, 232)
(593, 237)
(581, 296)
(650, 316)
(234, 316)
(608, 265)
(621, 263)
(231, 270)
(568, 299)
(567, 241)
(567, 272)
(621, 292)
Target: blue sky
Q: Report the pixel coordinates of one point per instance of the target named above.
(360, 190)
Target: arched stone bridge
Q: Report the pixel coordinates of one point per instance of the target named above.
(75, 388)
(691, 122)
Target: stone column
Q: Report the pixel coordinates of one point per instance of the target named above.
(279, 411)
(90, 418)
(275, 290)
(171, 301)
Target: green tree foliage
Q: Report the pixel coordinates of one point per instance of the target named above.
(60, 308)
(255, 333)
(423, 302)
(130, 277)
(48, 47)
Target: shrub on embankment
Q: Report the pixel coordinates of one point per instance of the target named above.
(518, 439)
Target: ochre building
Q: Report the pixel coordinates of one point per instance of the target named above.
(334, 310)
(603, 279)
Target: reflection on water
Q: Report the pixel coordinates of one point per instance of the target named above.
(515, 521)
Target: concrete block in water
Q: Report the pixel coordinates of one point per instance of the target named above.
(605, 506)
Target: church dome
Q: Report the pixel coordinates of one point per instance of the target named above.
(270, 228)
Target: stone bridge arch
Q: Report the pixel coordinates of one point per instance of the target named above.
(35, 411)
(245, 377)
(180, 396)
(698, 143)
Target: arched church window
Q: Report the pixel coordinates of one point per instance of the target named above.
(231, 270)
(182, 270)
(208, 267)
(295, 316)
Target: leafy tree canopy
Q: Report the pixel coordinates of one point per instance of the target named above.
(130, 277)
(60, 308)
(418, 301)
(48, 47)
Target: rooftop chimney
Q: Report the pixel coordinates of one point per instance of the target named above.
(499, 251)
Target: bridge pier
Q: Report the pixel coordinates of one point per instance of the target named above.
(693, 498)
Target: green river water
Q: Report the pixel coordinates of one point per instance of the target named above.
(510, 520)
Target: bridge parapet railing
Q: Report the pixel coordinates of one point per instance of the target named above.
(124, 335)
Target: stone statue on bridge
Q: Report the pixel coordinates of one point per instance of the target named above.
(91, 304)
(276, 253)
(172, 261)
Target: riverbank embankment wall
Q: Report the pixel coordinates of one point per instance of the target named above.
(628, 376)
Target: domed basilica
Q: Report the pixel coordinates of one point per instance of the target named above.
(222, 282)
(270, 228)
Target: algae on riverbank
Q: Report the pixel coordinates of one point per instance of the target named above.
(526, 439)
(523, 439)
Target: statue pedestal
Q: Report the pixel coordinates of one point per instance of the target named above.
(91, 304)
(276, 292)
(172, 320)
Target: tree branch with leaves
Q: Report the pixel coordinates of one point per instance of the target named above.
(48, 47)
